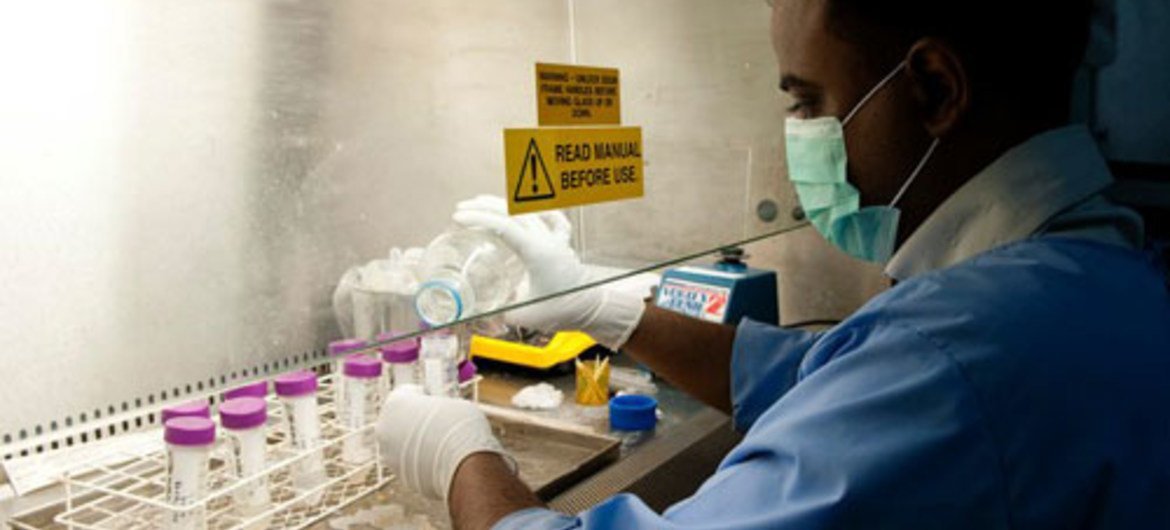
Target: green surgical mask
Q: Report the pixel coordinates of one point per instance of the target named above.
(817, 166)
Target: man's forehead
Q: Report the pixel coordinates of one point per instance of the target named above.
(788, 14)
(807, 49)
(799, 33)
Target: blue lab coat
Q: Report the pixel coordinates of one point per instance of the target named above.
(1027, 387)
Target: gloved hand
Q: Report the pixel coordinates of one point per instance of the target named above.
(542, 242)
(423, 439)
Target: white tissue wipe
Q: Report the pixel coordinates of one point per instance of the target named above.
(541, 396)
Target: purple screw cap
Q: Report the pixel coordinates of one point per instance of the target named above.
(339, 347)
(362, 367)
(403, 351)
(190, 431)
(296, 384)
(259, 389)
(194, 409)
(467, 371)
(243, 413)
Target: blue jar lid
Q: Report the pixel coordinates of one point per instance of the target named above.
(633, 413)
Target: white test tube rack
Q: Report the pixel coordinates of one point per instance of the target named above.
(132, 494)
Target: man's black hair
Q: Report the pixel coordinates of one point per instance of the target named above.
(1016, 50)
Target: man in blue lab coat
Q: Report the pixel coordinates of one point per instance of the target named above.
(1016, 376)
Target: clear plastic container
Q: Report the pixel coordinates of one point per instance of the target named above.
(402, 358)
(379, 296)
(466, 272)
(440, 362)
(298, 392)
(189, 444)
(376, 312)
(244, 420)
(402, 312)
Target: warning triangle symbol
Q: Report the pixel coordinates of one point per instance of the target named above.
(534, 183)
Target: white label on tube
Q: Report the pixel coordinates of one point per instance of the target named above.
(404, 375)
(355, 404)
(354, 449)
(187, 485)
(248, 451)
(306, 428)
(305, 431)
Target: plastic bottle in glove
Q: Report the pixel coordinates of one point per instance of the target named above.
(465, 272)
(542, 241)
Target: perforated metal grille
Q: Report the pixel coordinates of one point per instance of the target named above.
(139, 413)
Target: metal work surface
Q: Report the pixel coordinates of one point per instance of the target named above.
(688, 443)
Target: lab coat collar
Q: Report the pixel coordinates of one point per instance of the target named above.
(1008, 201)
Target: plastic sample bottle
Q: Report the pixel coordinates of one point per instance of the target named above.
(192, 409)
(440, 358)
(189, 444)
(298, 393)
(363, 396)
(467, 372)
(466, 272)
(402, 356)
(244, 420)
(258, 389)
(338, 350)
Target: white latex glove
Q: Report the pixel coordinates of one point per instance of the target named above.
(423, 439)
(542, 242)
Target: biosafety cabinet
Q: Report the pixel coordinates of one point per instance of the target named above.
(184, 185)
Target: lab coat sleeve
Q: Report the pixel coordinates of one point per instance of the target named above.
(764, 365)
(883, 431)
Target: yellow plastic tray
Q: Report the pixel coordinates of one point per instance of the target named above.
(564, 346)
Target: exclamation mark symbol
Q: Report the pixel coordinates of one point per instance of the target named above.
(540, 186)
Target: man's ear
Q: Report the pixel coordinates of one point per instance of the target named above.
(941, 85)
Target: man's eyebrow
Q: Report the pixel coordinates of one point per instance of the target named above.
(789, 81)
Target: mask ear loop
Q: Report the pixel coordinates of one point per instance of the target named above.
(873, 92)
(861, 104)
(917, 170)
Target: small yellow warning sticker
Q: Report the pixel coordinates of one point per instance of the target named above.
(578, 95)
(559, 168)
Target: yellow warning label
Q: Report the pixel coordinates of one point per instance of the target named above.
(559, 168)
(578, 95)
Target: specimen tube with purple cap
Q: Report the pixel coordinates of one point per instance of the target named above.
(189, 444)
(244, 420)
(298, 392)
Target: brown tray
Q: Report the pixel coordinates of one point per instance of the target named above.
(551, 457)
